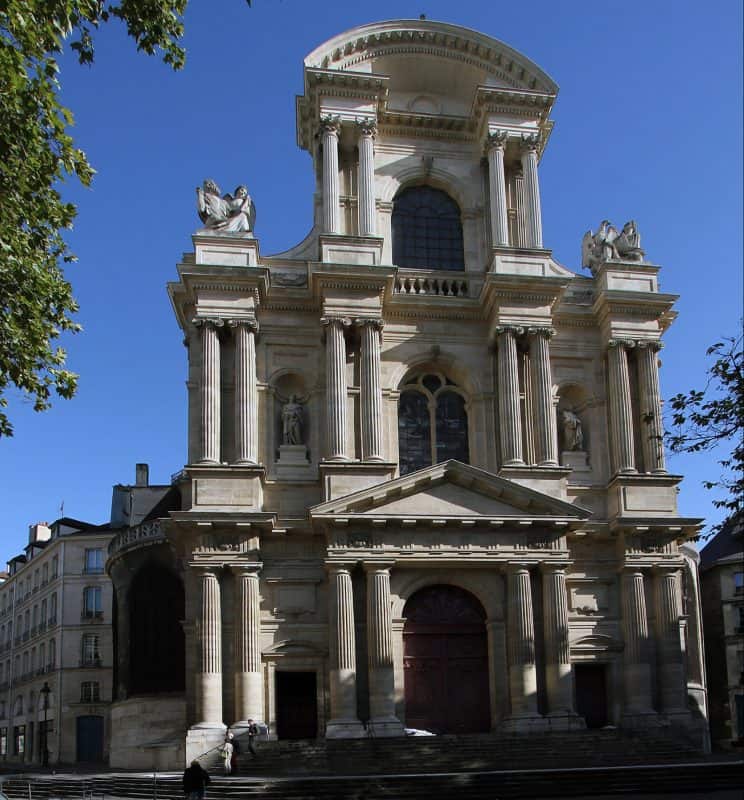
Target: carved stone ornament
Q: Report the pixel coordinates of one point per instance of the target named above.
(367, 127)
(497, 139)
(530, 143)
(609, 245)
(228, 213)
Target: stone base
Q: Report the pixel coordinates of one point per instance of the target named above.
(345, 729)
(527, 723)
(199, 741)
(385, 728)
(564, 721)
(293, 463)
(147, 733)
(576, 460)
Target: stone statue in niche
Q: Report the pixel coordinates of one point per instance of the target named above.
(572, 434)
(292, 413)
(607, 244)
(225, 213)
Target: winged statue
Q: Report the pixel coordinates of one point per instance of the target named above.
(228, 213)
(607, 244)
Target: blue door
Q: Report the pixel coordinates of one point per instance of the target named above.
(90, 738)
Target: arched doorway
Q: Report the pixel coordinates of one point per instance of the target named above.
(445, 661)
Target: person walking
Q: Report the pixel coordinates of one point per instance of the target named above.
(227, 754)
(252, 733)
(195, 781)
(236, 752)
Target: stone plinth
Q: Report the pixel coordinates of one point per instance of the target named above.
(293, 463)
(576, 460)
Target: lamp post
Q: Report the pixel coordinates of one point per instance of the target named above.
(45, 752)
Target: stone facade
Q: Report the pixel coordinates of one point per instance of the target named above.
(418, 446)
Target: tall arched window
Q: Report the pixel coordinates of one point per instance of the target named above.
(432, 423)
(427, 231)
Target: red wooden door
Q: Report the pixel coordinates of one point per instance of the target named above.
(445, 660)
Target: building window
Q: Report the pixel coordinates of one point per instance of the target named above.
(55, 567)
(3, 741)
(92, 602)
(432, 423)
(53, 609)
(91, 652)
(740, 622)
(90, 692)
(45, 575)
(739, 582)
(427, 231)
(19, 740)
(52, 654)
(18, 710)
(94, 561)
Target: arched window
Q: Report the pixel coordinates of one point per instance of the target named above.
(427, 231)
(432, 423)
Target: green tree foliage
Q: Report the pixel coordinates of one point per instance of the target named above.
(712, 417)
(36, 155)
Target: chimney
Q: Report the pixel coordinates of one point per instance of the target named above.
(40, 532)
(142, 473)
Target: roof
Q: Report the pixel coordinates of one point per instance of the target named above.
(728, 542)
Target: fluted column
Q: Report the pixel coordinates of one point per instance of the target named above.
(344, 722)
(650, 424)
(247, 624)
(497, 188)
(621, 412)
(510, 422)
(246, 391)
(336, 389)
(367, 210)
(380, 652)
(558, 669)
(636, 667)
(671, 668)
(329, 128)
(210, 390)
(209, 635)
(371, 389)
(546, 434)
(533, 215)
(521, 643)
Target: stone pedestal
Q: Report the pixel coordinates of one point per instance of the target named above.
(576, 460)
(293, 463)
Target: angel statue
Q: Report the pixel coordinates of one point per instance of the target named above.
(292, 416)
(225, 213)
(607, 245)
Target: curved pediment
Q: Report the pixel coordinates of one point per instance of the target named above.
(426, 57)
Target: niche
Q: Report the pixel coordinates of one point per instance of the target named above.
(573, 428)
(292, 423)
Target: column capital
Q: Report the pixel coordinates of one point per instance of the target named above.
(554, 567)
(541, 330)
(378, 566)
(529, 143)
(514, 567)
(204, 570)
(515, 330)
(366, 126)
(497, 140)
(631, 569)
(376, 322)
(628, 344)
(336, 567)
(654, 345)
(206, 322)
(344, 322)
(251, 324)
(246, 568)
(330, 123)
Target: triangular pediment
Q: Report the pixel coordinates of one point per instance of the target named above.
(451, 490)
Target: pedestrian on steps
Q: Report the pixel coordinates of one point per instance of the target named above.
(252, 733)
(236, 752)
(195, 781)
(227, 754)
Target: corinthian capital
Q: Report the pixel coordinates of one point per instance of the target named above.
(497, 140)
(330, 124)
(366, 126)
(530, 143)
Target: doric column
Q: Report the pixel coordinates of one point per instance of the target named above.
(496, 144)
(510, 423)
(558, 670)
(636, 669)
(247, 624)
(344, 721)
(546, 435)
(671, 668)
(621, 414)
(650, 406)
(209, 635)
(367, 211)
(521, 643)
(380, 652)
(336, 386)
(533, 216)
(246, 391)
(371, 389)
(210, 390)
(329, 128)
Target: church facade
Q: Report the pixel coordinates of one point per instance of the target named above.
(425, 484)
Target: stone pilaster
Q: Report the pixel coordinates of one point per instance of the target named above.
(546, 434)
(344, 722)
(246, 391)
(247, 623)
(209, 635)
(367, 210)
(383, 721)
(210, 390)
(329, 128)
(558, 669)
(533, 215)
(621, 413)
(510, 422)
(371, 389)
(521, 644)
(336, 389)
(521, 216)
(636, 667)
(650, 423)
(495, 147)
(670, 661)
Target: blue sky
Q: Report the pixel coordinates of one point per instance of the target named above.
(648, 126)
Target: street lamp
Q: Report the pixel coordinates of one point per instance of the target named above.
(45, 752)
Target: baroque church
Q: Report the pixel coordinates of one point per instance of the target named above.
(425, 485)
